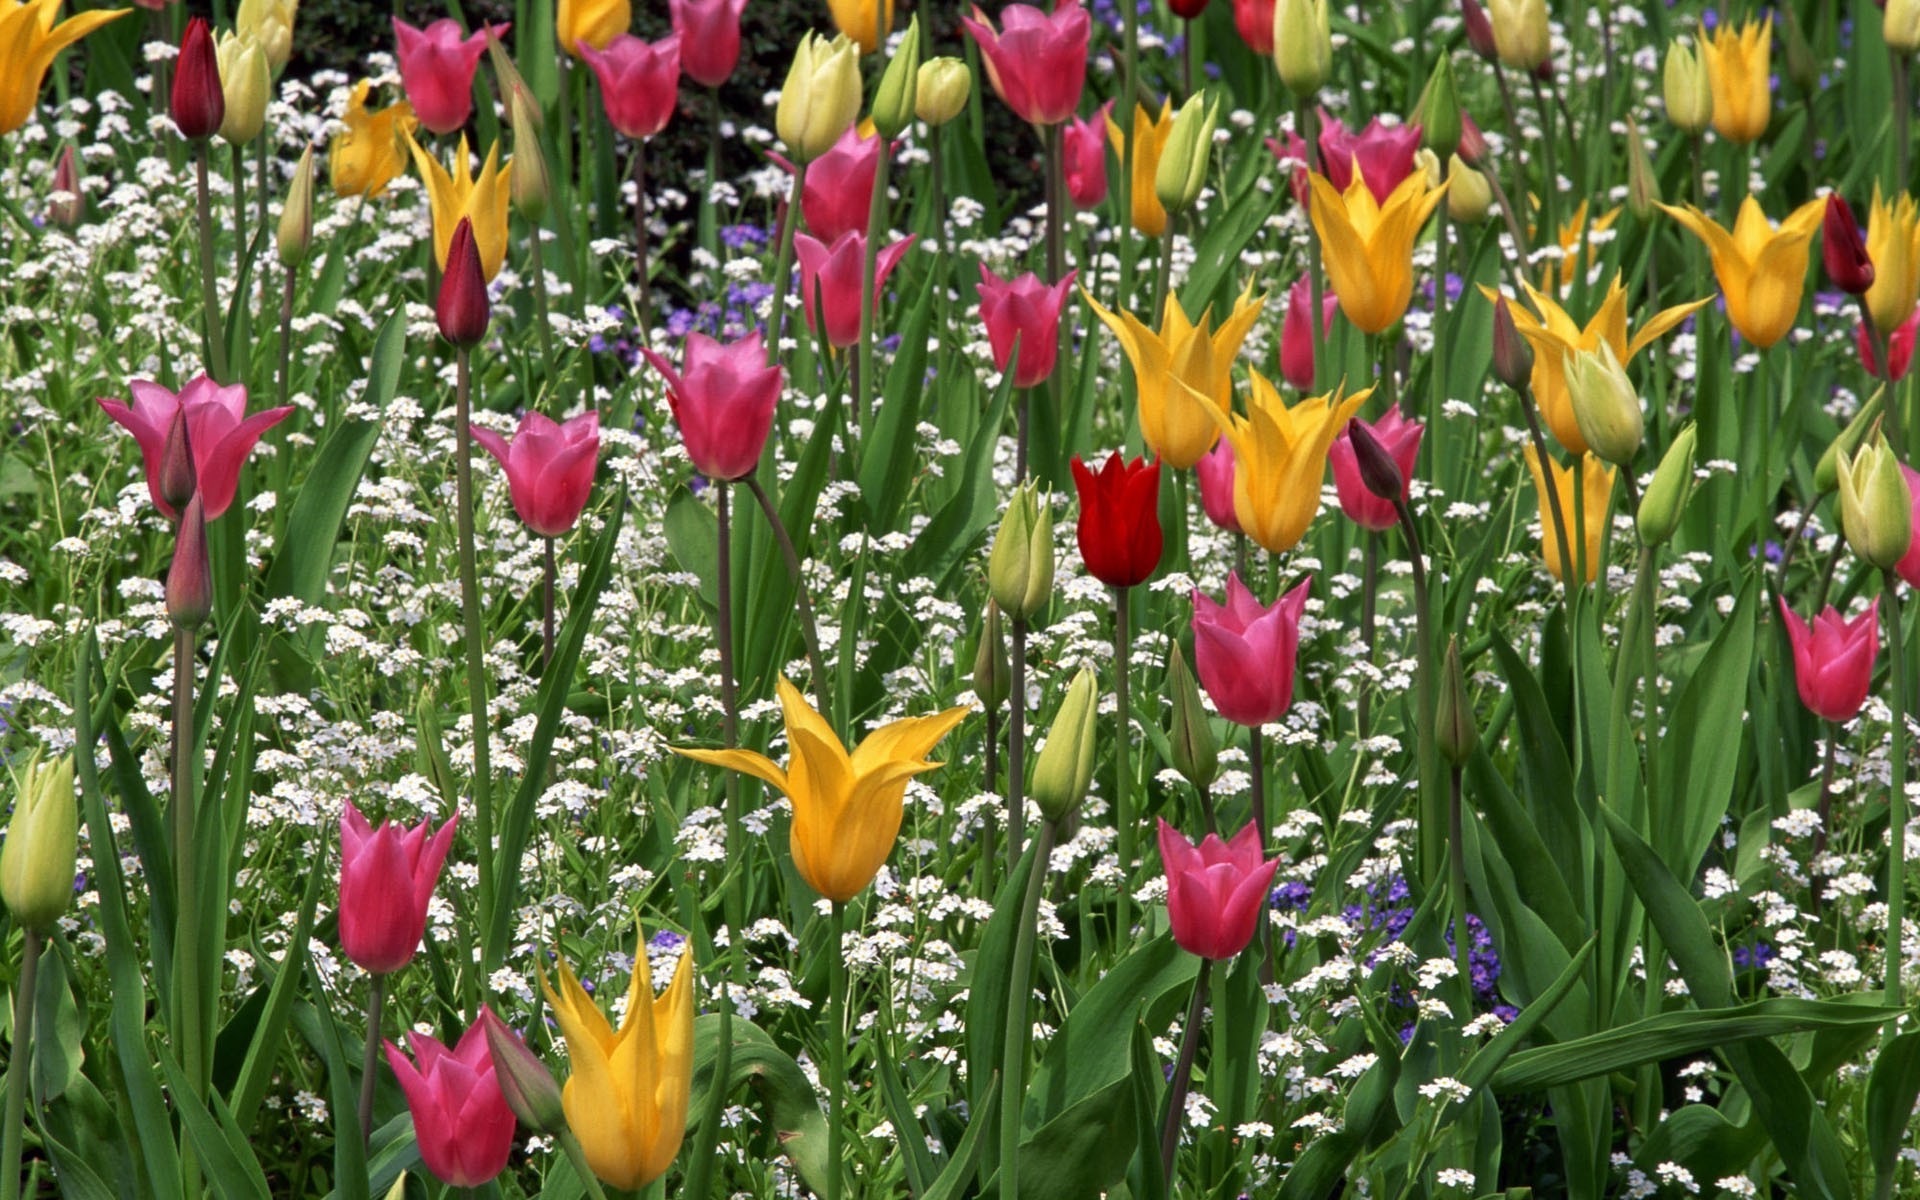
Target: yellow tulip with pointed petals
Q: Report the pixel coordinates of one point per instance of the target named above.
(1572, 232)
(29, 40)
(1893, 243)
(458, 193)
(846, 807)
(1554, 335)
(628, 1095)
(1596, 481)
(1150, 134)
(865, 22)
(1738, 73)
(1762, 270)
(594, 22)
(365, 156)
(1181, 371)
(1280, 459)
(1368, 246)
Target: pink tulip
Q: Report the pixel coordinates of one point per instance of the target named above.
(1908, 568)
(1254, 20)
(838, 193)
(830, 281)
(1216, 891)
(1244, 652)
(709, 33)
(639, 82)
(1899, 348)
(460, 1117)
(1038, 60)
(1215, 469)
(386, 878)
(218, 427)
(1833, 659)
(1385, 154)
(1296, 332)
(1026, 309)
(436, 69)
(1401, 439)
(1084, 149)
(549, 468)
(724, 403)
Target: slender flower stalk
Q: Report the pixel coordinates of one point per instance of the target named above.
(1896, 798)
(1183, 1069)
(211, 324)
(783, 265)
(547, 573)
(19, 1066)
(1017, 747)
(876, 229)
(370, 1057)
(1308, 120)
(809, 626)
(1019, 1029)
(189, 1031)
(836, 1052)
(474, 620)
(1123, 814)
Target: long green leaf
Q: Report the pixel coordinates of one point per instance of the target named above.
(792, 1110)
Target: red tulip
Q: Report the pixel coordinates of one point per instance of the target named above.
(1473, 143)
(830, 281)
(1084, 151)
(221, 435)
(1119, 529)
(1037, 62)
(1843, 248)
(1908, 568)
(1187, 10)
(724, 403)
(1028, 310)
(709, 33)
(639, 81)
(1384, 152)
(1479, 30)
(199, 104)
(386, 878)
(1254, 20)
(1899, 348)
(436, 69)
(1296, 332)
(1833, 659)
(1216, 891)
(1215, 470)
(463, 307)
(460, 1117)
(549, 468)
(1400, 438)
(838, 193)
(1244, 652)
(189, 593)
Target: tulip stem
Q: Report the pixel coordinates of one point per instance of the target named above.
(1519, 167)
(1896, 799)
(640, 232)
(1369, 605)
(1129, 91)
(1017, 746)
(783, 266)
(541, 307)
(1309, 123)
(1122, 764)
(577, 1158)
(1164, 279)
(1013, 1067)
(475, 637)
(988, 850)
(1022, 402)
(1903, 116)
(286, 338)
(1818, 882)
(370, 1055)
(1183, 1070)
(546, 605)
(1512, 221)
(876, 228)
(1550, 185)
(209, 293)
(836, 1050)
(1437, 392)
(809, 628)
(1552, 490)
(1426, 753)
(189, 1027)
(1257, 772)
(1457, 887)
(19, 1066)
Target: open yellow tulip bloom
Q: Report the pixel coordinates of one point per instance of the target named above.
(457, 193)
(1150, 135)
(1893, 243)
(846, 807)
(1182, 371)
(1737, 71)
(628, 1095)
(1761, 269)
(1572, 232)
(1369, 246)
(1554, 335)
(1596, 482)
(1280, 459)
(865, 22)
(365, 157)
(29, 40)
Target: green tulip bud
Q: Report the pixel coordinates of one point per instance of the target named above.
(1470, 196)
(1643, 186)
(1184, 159)
(531, 183)
(820, 98)
(1826, 473)
(1605, 405)
(1064, 770)
(942, 90)
(1302, 45)
(294, 238)
(1194, 748)
(1666, 497)
(1686, 90)
(1438, 112)
(893, 104)
(1455, 733)
(1876, 509)
(1020, 569)
(37, 860)
(992, 673)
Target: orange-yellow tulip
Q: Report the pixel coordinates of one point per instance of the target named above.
(1588, 521)
(1737, 71)
(1762, 270)
(1369, 246)
(29, 40)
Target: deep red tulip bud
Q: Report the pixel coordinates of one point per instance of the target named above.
(1356, 469)
(463, 308)
(1544, 72)
(1119, 531)
(1187, 9)
(1473, 143)
(1377, 468)
(1512, 357)
(70, 206)
(178, 480)
(1479, 31)
(199, 104)
(190, 579)
(1843, 248)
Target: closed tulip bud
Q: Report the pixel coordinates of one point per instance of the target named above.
(1843, 248)
(894, 102)
(1020, 568)
(1876, 507)
(1378, 471)
(1438, 113)
(524, 1080)
(1479, 30)
(1901, 28)
(1065, 767)
(1521, 33)
(1605, 404)
(246, 79)
(1512, 356)
(1302, 44)
(942, 90)
(820, 98)
(1686, 91)
(69, 204)
(270, 24)
(37, 861)
(1184, 159)
(992, 673)
(1801, 68)
(1826, 472)
(1456, 734)
(1470, 196)
(190, 579)
(399, 1189)
(198, 104)
(295, 236)
(531, 184)
(1427, 163)
(1643, 186)
(176, 479)
(1666, 497)
(1194, 748)
(513, 86)
(462, 307)
(1473, 143)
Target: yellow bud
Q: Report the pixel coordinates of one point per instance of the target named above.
(1826, 472)
(1876, 509)
(1020, 569)
(1521, 33)
(1688, 95)
(1427, 163)
(270, 24)
(1064, 770)
(1302, 44)
(1470, 197)
(246, 79)
(37, 861)
(295, 235)
(1605, 406)
(942, 90)
(1183, 160)
(1901, 27)
(820, 98)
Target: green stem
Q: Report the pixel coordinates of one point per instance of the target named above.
(809, 627)
(1309, 122)
(1426, 753)
(876, 229)
(783, 266)
(1550, 186)
(836, 1052)
(1457, 888)
(1122, 765)
(578, 1158)
(1896, 800)
(370, 1055)
(187, 976)
(541, 307)
(473, 618)
(1013, 1066)
(286, 339)
(547, 573)
(1017, 747)
(1129, 97)
(1437, 372)
(19, 1067)
(209, 292)
(1183, 1073)
(1551, 498)
(1369, 607)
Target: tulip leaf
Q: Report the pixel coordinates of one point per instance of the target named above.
(693, 538)
(1322, 1166)
(1708, 724)
(792, 1111)
(959, 1171)
(887, 454)
(948, 538)
(1700, 1138)
(1891, 1091)
(1145, 1178)
(269, 1033)
(1486, 1061)
(58, 1024)
(224, 1153)
(990, 977)
(915, 1157)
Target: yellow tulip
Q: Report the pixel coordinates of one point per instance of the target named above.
(29, 40)
(1369, 246)
(270, 23)
(1150, 135)
(1572, 232)
(846, 807)
(246, 82)
(483, 200)
(1736, 59)
(1181, 371)
(1521, 33)
(820, 98)
(365, 157)
(1280, 459)
(1596, 482)
(628, 1095)
(865, 22)
(595, 22)
(1893, 243)
(1761, 269)
(1554, 335)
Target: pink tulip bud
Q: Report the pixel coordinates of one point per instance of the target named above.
(436, 69)
(838, 192)
(1296, 332)
(1084, 149)
(1216, 891)
(1037, 61)
(1833, 659)
(463, 308)
(386, 879)
(1512, 356)
(460, 1118)
(1215, 469)
(69, 204)
(1479, 30)
(1244, 652)
(1027, 310)
(190, 578)
(1254, 21)
(199, 104)
(1396, 442)
(549, 468)
(709, 32)
(221, 435)
(639, 81)
(525, 1082)
(723, 401)
(830, 281)
(177, 482)
(1908, 568)
(1473, 143)
(1899, 348)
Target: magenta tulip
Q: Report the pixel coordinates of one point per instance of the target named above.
(460, 1117)
(1384, 153)
(1027, 310)
(838, 192)
(1037, 61)
(1908, 568)
(1833, 659)
(830, 281)
(1254, 20)
(1215, 470)
(724, 402)
(1244, 652)
(1296, 332)
(1084, 149)
(218, 428)
(1216, 891)
(639, 82)
(1899, 348)
(549, 468)
(386, 879)
(1400, 438)
(436, 69)
(709, 33)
